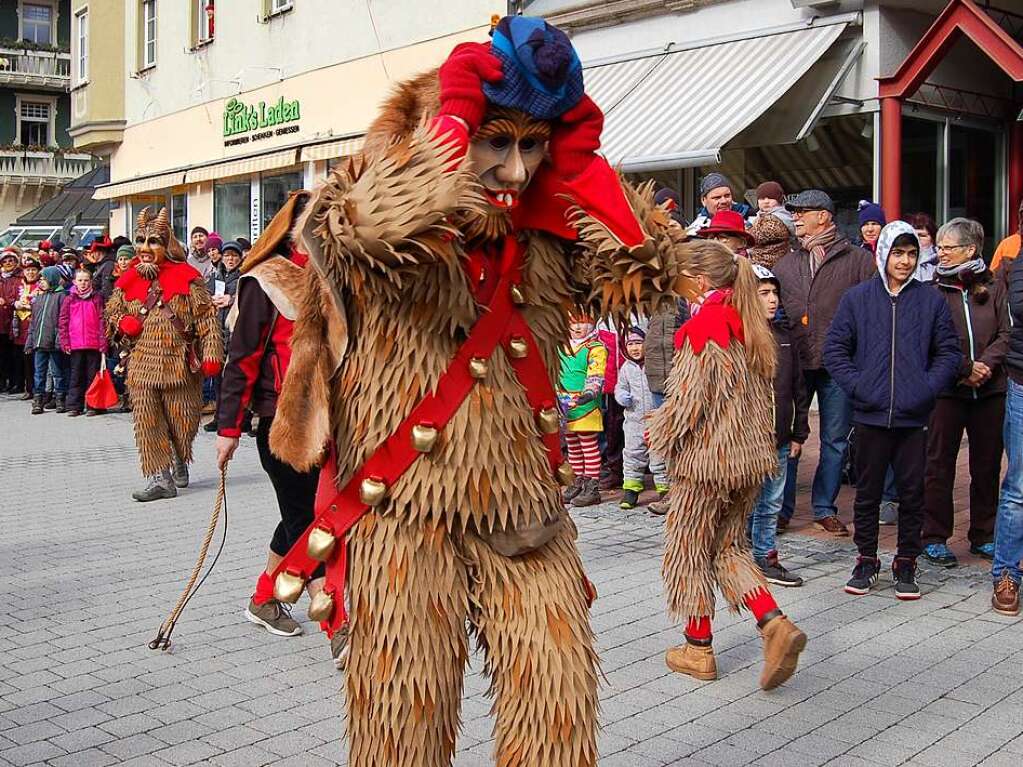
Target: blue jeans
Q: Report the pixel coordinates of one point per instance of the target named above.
(50, 361)
(657, 398)
(762, 526)
(1009, 520)
(835, 413)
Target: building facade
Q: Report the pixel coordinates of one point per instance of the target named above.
(36, 152)
(218, 109)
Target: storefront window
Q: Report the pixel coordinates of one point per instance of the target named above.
(973, 176)
(274, 191)
(179, 216)
(135, 206)
(231, 208)
(922, 157)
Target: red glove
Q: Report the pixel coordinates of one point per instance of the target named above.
(461, 82)
(576, 138)
(210, 368)
(130, 325)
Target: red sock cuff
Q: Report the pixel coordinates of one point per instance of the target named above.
(699, 628)
(760, 603)
(264, 589)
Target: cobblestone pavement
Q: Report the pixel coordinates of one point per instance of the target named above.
(86, 576)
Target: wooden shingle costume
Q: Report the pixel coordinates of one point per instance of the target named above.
(445, 262)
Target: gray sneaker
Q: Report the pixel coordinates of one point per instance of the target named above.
(160, 486)
(889, 512)
(274, 616)
(339, 648)
(180, 473)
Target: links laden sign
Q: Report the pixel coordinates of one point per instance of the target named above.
(245, 123)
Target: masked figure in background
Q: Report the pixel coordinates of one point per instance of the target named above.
(445, 263)
(161, 316)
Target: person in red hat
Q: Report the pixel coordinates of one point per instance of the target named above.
(729, 228)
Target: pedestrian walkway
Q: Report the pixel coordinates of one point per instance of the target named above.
(87, 575)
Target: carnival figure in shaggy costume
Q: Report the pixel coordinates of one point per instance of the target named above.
(161, 316)
(716, 431)
(444, 264)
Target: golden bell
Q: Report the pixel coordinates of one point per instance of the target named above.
(565, 474)
(321, 607)
(478, 367)
(549, 420)
(518, 348)
(372, 491)
(517, 296)
(288, 587)
(424, 437)
(320, 545)
(143, 311)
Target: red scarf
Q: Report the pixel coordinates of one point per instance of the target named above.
(717, 321)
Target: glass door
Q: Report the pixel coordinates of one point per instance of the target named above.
(975, 176)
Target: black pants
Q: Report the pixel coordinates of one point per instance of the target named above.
(84, 367)
(906, 451)
(982, 420)
(8, 377)
(296, 493)
(614, 439)
(28, 368)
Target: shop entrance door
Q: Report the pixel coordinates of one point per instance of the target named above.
(975, 176)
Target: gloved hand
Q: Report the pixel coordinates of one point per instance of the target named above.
(584, 398)
(130, 325)
(576, 138)
(461, 83)
(210, 368)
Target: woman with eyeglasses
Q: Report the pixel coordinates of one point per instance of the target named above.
(976, 404)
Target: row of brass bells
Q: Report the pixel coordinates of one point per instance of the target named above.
(288, 587)
(424, 437)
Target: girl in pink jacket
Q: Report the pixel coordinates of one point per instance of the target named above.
(81, 336)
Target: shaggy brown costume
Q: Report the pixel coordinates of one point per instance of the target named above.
(165, 393)
(388, 305)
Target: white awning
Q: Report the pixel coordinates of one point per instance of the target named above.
(243, 166)
(333, 149)
(679, 109)
(139, 186)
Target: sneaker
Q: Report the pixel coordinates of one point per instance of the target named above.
(160, 486)
(658, 508)
(630, 499)
(588, 495)
(91, 412)
(904, 577)
(832, 525)
(74, 413)
(783, 525)
(984, 551)
(274, 616)
(339, 648)
(610, 482)
(889, 513)
(776, 574)
(1005, 600)
(940, 554)
(864, 575)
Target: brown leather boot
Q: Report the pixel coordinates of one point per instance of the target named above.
(1005, 600)
(695, 660)
(783, 642)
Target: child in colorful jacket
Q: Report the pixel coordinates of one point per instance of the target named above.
(579, 389)
(633, 393)
(82, 338)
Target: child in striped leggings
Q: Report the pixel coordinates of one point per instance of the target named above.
(579, 387)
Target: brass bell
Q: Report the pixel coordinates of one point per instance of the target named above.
(321, 607)
(478, 367)
(549, 421)
(565, 474)
(372, 491)
(143, 311)
(288, 587)
(424, 437)
(518, 348)
(517, 296)
(320, 544)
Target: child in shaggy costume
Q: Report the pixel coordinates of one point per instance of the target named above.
(580, 383)
(716, 431)
(442, 263)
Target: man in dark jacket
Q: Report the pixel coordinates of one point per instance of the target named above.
(893, 349)
(1005, 570)
(100, 261)
(813, 280)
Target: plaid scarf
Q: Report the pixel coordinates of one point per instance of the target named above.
(817, 245)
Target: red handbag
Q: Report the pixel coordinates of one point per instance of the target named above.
(101, 394)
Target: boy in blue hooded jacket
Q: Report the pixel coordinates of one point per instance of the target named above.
(893, 348)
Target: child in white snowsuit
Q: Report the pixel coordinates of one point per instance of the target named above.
(633, 393)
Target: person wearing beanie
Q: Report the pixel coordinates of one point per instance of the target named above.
(43, 342)
(716, 196)
(770, 196)
(28, 288)
(10, 363)
(199, 254)
(669, 199)
(872, 220)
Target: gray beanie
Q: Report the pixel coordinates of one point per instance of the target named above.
(713, 181)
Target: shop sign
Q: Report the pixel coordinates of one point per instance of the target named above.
(245, 123)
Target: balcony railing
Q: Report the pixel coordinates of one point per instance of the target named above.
(41, 167)
(41, 69)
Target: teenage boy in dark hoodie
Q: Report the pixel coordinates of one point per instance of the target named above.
(893, 349)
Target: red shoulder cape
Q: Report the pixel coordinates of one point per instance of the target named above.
(716, 321)
(174, 279)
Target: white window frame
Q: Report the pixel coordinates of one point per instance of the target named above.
(52, 4)
(50, 101)
(144, 41)
(277, 7)
(80, 46)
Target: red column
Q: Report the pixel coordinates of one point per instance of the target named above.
(891, 157)
(1015, 175)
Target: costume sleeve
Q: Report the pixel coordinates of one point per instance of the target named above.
(114, 311)
(840, 346)
(245, 359)
(684, 402)
(596, 366)
(946, 356)
(207, 326)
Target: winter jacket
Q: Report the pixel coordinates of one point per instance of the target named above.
(1014, 358)
(892, 354)
(791, 405)
(103, 276)
(659, 346)
(23, 316)
(811, 303)
(80, 326)
(42, 331)
(581, 377)
(633, 393)
(9, 286)
(230, 280)
(983, 331)
(703, 217)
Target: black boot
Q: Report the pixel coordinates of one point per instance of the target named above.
(49, 401)
(37, 406)
(61, 403)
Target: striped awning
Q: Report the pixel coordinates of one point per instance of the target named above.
(332, 149)
(243, 166)
(679, 108)
(139, 185)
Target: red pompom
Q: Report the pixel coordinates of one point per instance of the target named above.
(130, 325)
(210, 369)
